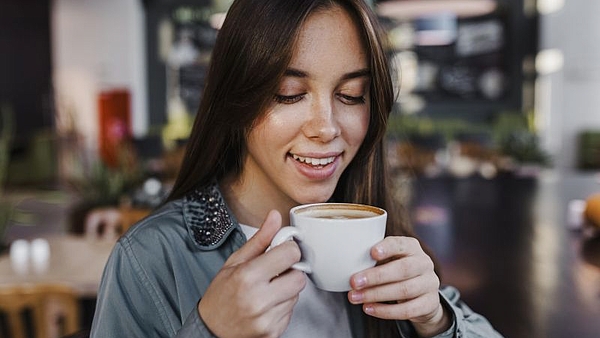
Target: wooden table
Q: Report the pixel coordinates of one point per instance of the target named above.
(74, 260)
(505, 243)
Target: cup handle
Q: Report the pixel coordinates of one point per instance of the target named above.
(288, 233)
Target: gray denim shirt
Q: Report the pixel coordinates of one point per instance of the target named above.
(159, 270)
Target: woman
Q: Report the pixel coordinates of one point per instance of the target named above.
(294, 111)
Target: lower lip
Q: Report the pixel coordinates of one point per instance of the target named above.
(316, 173)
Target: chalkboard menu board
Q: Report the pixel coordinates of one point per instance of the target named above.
(179, 43)
(474, 66)
(191, 85)
(187, 56)
(467, 67)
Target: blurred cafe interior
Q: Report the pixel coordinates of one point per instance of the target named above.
(494, 142)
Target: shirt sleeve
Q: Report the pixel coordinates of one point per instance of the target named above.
(465, 322)
(194, 327)
(128, 304)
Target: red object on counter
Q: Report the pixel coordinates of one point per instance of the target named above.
(114, 111)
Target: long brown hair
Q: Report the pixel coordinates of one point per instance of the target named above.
(253, 49)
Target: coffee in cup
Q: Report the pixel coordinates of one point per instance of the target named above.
(335, 240)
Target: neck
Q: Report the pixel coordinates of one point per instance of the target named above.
(250, 203)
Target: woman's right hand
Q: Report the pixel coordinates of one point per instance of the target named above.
(255, 292)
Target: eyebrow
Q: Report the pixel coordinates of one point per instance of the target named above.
(352, 75)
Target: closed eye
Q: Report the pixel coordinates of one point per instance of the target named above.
(288, 99)
(351, 100)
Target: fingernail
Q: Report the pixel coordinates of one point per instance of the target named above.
(360, 281)
(368, 309)
(379, 250)
(356, 297)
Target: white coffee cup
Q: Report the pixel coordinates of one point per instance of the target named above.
(335, 240)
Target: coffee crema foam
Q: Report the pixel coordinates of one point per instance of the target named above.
(342, 216)
(337, 212)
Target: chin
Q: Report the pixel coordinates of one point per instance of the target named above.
(314, 197)
(313, 193)
(313, 200)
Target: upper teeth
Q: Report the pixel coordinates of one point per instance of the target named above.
(314, 161)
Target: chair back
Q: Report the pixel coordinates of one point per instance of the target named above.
(54, 310)
(103, 223)
(110, 223)
(130, 215)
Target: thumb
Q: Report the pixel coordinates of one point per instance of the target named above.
(258, 244)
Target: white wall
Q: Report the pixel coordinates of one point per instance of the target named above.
(98, 44)
(573, 103)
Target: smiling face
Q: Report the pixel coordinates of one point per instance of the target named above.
(318, 120)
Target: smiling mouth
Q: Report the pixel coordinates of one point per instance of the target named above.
(313, 161)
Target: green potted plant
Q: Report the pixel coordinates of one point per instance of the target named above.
(99, 185)
(516, 139)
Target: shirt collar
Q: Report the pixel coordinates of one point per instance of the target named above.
(207, 217)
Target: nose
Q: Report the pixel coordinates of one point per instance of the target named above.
(322, 124)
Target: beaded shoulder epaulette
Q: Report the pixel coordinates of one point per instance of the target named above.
(207, 216)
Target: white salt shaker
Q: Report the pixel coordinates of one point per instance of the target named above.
(40, 255)
(19, 256)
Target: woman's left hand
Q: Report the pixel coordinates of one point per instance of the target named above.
(403, 286)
